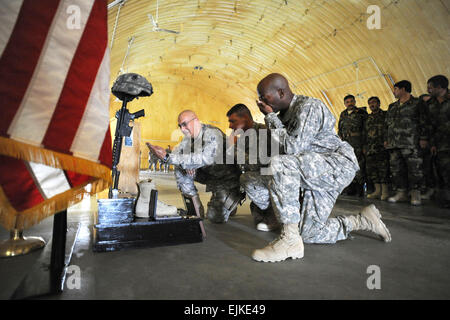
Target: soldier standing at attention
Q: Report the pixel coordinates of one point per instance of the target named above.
(377, 157)
(166, 164)
(200, 157)
(429, 161)
(406, 132)
(350, 129)
(314, 166)
(153, 161)
(439, 110)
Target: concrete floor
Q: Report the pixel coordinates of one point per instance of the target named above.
(415, 265)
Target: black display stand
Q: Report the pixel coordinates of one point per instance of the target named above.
(113, 232)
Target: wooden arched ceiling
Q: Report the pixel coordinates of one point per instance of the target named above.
(225, 47)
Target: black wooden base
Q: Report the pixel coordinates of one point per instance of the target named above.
(145, 233)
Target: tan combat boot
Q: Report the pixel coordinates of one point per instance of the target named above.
(398, 197)
(415, 198)
(145, 188)
(288, 245)
(370, 220)
(384, 191)
(377, 193)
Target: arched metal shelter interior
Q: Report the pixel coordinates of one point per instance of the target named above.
(222, 48)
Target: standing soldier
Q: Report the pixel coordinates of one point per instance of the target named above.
(350, 129)
(429, 161)
(152, 161)
(405, 131)
(167, 165)
(439, 111)
(377, 157)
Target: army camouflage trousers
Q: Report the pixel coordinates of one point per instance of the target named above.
(377, 167)
(406, 169)
(303, 189)
(443, 169)
(216, 211)
(429, 162)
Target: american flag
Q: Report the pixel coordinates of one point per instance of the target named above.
(54, 106)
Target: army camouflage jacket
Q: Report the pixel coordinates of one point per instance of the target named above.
(206, 152)
(307, 126)
(406, 123)
(373, 137)
(351, 126)
(439, 114)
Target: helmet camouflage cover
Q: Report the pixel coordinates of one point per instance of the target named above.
(131, 84)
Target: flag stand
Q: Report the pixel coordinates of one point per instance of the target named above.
(18, 245)
(48, 274)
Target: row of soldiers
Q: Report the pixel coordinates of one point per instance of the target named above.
(408, 145)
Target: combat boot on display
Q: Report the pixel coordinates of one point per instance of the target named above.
(377, 193)
(288, 245)
(370, 220)
(143, 201)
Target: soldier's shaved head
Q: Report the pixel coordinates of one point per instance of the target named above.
(274, 90)
(185, 114)
(273, 81)
(189, 123)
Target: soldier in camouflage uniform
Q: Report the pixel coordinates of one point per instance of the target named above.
(244, 145)
(439, 112)
(350, 129)
(200, 157)
(405, 132)
(314, 167)
(377, 157)
(152, 161)
(429, 161)
(166, 165)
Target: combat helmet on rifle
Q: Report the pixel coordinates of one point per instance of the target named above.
(131, 85)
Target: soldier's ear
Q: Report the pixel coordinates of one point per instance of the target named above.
(281, 93)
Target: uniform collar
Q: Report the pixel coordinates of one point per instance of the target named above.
(287, 115)
(410, 100)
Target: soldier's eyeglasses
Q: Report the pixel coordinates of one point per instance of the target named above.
(185, 123)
